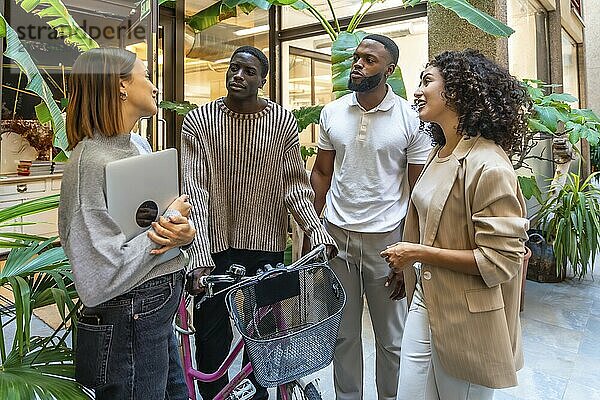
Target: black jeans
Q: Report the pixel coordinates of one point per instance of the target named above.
(213, 327)
(128, 349)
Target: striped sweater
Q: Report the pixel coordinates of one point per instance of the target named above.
(243, 172)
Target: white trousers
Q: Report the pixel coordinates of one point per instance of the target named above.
(421, 375)
(363, 272)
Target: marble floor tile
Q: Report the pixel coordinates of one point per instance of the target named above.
(550, 335)
(501, 395)
(536, 385)
(548, 360)
(576, 391)
(586, 371)
(571, 316)
(596, 308)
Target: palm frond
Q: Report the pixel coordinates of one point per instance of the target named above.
(45, 372)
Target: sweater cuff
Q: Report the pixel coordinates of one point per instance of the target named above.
(320, 236)
(171, 213)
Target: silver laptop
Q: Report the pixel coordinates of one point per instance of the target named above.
(139, 189)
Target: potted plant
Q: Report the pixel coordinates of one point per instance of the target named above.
(570, 220)
(35, 274)
(552, 117)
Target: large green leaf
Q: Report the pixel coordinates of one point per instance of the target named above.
(16, 52)
(29, 207)
(2, 28)
(476, 17)
(61, 21)
(210, 16)
(181, 108)
(306, 116)
(530, 188)
(45, 372)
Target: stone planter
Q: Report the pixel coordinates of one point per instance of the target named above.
(542, 264)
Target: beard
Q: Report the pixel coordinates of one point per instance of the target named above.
(368, 83)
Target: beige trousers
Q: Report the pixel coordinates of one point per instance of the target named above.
(363, 272)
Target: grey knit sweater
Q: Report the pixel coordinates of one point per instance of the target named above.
(243, 172)
(104, 264)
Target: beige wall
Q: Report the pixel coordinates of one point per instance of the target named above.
(571, 21)
(592, 49)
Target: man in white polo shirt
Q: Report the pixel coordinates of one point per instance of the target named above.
(370, 154)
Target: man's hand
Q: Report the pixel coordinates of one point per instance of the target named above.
(170, 233)
(331, 251)
(192, 280)
(396, 281)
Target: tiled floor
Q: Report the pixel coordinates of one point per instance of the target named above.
(561, 338)
(561, 341)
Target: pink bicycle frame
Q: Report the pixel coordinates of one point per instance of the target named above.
(192, 374)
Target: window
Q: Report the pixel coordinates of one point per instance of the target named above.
(208, 52)
(292, 18)
(527, 48)
(307, 81)
(570, 66)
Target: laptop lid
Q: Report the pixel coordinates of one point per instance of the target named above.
(139, 189)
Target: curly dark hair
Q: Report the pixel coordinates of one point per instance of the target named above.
(489, 101)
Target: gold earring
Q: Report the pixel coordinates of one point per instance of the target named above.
(123, 96)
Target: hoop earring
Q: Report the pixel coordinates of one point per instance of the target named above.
(123, 96)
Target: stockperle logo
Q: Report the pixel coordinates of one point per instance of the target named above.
(40, 32)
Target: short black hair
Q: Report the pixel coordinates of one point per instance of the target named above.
(264, 61)
(388, 44)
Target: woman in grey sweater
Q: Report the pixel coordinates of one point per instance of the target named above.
(125, 346)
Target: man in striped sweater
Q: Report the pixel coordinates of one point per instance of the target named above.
(243, 171)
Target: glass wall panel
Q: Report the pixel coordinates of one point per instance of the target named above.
(570, 67)
(292, 18)
(122, 24)
(208, 52)
(522, 45)
(301, 88)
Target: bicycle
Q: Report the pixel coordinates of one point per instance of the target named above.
(287, 336)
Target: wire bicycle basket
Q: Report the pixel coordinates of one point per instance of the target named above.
(289, 321)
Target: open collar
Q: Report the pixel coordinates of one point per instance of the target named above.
(386, 104)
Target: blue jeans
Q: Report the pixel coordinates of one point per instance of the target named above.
(126, 347)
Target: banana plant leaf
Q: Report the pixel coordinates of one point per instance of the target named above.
(45, 372)
(306, 116)
(210, 16)
(181, 108)
(61, 21)
(16, 52)
(476, 17)
(342, 50)
(226, 9)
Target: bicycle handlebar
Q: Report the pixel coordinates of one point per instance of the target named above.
(209, 281)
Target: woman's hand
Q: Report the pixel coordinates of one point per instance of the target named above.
(400, 255)
(182, 205)
(171, 232)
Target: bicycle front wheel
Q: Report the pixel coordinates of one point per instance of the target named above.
(295, 392)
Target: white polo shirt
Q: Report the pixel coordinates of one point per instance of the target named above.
(369, 189)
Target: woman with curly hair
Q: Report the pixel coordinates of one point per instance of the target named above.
(464, 235)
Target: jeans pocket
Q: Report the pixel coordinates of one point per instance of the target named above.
(92, 353)
(156, 301)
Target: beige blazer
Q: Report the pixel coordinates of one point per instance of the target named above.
(474, 320)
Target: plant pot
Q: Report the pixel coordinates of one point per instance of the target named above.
(526, 258)
(542, 264)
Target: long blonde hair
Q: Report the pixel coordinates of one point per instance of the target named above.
(94, 89)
